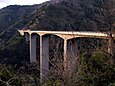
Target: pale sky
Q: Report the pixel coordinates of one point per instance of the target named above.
(4, 3)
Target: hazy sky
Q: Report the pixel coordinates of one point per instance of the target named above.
(4, 3)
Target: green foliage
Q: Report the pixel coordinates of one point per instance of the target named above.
(15, 75)
(53, 80)
(15, 51)
(96, 69)
(8, 76)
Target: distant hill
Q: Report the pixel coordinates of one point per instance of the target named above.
(66, 15)
(13, 13)
(12, 18)
(59, 15)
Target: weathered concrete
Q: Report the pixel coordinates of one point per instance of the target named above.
(110, 46)
(32, 48)
(27, 37)
(44, 57)
(65, 54)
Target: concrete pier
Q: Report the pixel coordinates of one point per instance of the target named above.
(44, 57)
(32, 48)
(27, 37)
(110, 46)
(65, 54)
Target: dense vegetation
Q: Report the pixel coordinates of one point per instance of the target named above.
(95, 66)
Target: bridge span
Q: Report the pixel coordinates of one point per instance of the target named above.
(65, 35)
(70, 34)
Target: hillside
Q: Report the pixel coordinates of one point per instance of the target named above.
(58, 15)
(61, 15)
(12, 14)
(13, 18)
(55, 15)
(79, 16)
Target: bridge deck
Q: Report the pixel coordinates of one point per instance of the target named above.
(70, 33)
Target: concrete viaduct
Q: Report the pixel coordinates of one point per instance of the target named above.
(65, 35)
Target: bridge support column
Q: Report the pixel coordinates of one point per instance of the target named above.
(44, 57)
(65, 54)
(27, 37)
(110, 45)
(32, 48)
